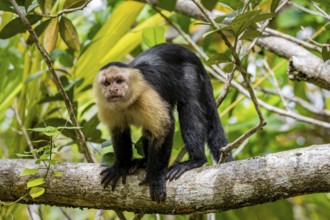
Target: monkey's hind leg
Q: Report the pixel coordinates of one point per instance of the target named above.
(193, 129)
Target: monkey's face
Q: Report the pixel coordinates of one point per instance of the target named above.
(114, 84)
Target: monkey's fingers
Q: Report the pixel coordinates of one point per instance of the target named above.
(114, 181)
(176, 171)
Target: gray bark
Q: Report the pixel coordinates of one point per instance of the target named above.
(209, 189)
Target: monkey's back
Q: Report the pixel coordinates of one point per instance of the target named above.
(172, 69)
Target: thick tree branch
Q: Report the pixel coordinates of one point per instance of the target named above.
(303, 65)
(213, 188)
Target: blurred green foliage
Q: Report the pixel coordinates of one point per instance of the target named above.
(83, 41)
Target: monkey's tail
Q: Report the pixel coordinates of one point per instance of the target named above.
(216, 137)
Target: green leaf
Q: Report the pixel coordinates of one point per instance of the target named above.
(45, 129)
(51, 162)
(35, 182)
(6, 6)
(209, 4)
(16, 26)
(153, 36)
(51, 35)
(73, 3)
(274, 5)
(167, 4)
(28, 171)
(251, 34)
(220, 19)
(218, 58)
(69, 33)
(106, 150)
(57, 173)
(48, 5)
(36, 192)
(139, 147)
(39, 30)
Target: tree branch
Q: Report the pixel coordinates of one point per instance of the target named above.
(208, 189)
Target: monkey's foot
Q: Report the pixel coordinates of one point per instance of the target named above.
(137, 164)
(157, 188)
(112, 174)
(177, 169)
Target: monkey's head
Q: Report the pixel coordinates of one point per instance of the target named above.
(114, 84)
(117, 83)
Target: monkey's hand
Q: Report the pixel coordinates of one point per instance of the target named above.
(157, 188)
(112, 174)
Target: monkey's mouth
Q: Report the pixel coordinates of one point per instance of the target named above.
(115, 98)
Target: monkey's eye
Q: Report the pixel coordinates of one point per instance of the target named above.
(119, 81)
(106, 83)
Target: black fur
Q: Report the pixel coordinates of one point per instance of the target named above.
(180, 78)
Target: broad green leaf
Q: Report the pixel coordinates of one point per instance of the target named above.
(69, 33)
(241, 21)
(153, 36)
(6, 6)
(28, 171)
(39, 30)
(73, 3)
(51, 35)
(132, 39)
(46, 5)
(16, 26)
(106, 150)
(218, 58)
(35, 182)
(209, 4)
(220, 19)
(111, 33)
(51, 162)
(251, 34)
(36, 192)
(57, 173)
(45, 156)
(274, 5)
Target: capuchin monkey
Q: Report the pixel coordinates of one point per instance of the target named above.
(144, 93)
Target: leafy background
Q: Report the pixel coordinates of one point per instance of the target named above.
(81, 42)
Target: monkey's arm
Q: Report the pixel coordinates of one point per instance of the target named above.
(123, 155)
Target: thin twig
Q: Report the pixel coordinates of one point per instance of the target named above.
(220, 75)
(225, 89)
(275, 83)
(79, 133)
(27, 138)
(310, 11)
(64, 11)
(303, 103)
(293, 39)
